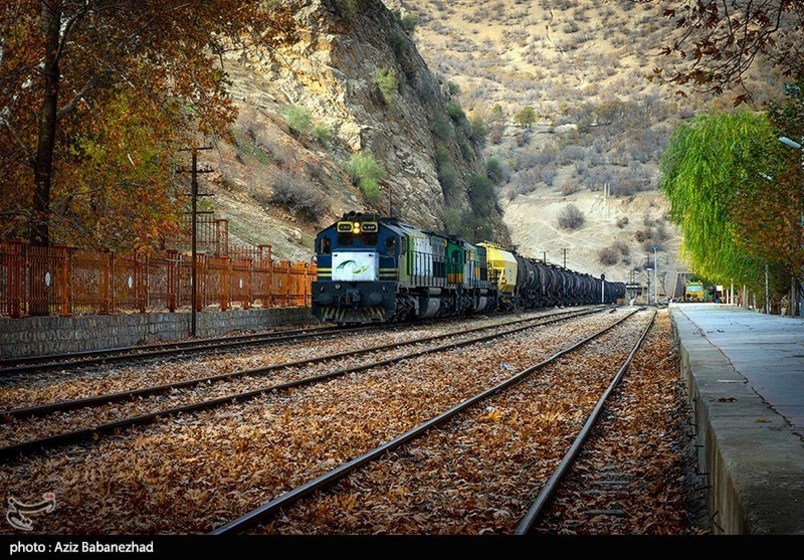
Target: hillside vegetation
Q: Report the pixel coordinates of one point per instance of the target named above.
(563, 86)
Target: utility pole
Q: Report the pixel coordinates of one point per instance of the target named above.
(655, 275)
(544, 257)
(565, 258)
(647, 275)
(194, 171)
(602, 288)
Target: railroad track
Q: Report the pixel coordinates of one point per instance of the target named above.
(615, 483)
(18, 366)
(82, 434)
(632, 475)
(268, 510)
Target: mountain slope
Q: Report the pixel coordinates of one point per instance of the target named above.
(345, 80)
(598, 126)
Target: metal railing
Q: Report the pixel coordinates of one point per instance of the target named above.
(61, 280)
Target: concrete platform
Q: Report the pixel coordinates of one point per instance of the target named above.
(745, 375)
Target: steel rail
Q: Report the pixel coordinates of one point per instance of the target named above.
(555, 479)
(149, 418)
(133, 353)
(16, 366)
(261, 513)
(119, 396)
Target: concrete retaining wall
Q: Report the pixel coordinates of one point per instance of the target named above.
(52, 335)
(753, 460)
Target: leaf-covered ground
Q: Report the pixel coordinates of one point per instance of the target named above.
(192, 473)
(25, 429)
(477, 473)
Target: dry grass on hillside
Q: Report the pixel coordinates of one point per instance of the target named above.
(601, 125)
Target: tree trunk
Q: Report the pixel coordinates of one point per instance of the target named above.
(43, 165)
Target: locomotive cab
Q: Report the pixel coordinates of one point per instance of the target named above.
(357, 270)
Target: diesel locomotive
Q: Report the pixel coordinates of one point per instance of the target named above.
(376, 269)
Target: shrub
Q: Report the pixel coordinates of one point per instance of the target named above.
(398, 44)
(366, 172)
(455, 111)
(479, 131)
(568, 187)
(648, 243)
(547, 175)
(641, 235)
(388, 84)
(495, 136)
(622, 247)
(526, 117)
(467, 151)
(323, 134)
(496, 169)
(570, 217)
(297, 119)
(481, 193)
(475, 228)
(661, 232)
(608, 256)
(442, 154)
(448, 177)
(292, 193)
(441, 127)
(453, 221)
(408, 21)
(622, 222)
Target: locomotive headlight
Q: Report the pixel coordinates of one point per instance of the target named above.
(356, 227)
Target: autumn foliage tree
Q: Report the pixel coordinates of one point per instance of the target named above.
(96, 96)
(717, 41)
(769, 211)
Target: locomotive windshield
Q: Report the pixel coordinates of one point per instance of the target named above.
(357, 240)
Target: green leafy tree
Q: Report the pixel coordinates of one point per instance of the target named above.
(769, 209)
(699, 170)
(526, 117)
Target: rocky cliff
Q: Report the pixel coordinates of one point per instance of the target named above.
(342, 78)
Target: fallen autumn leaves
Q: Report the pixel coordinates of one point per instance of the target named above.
(191, 473)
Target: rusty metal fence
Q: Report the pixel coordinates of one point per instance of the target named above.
(64, 281)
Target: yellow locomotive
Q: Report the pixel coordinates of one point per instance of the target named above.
(693, 291)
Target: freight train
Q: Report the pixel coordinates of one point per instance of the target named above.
(377, 269)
